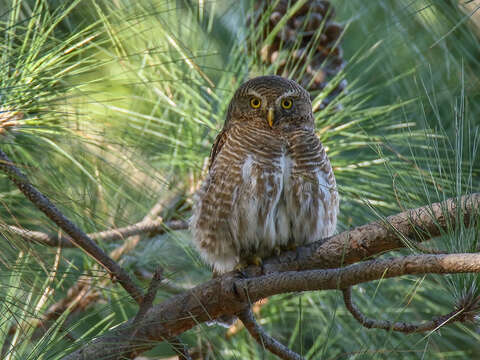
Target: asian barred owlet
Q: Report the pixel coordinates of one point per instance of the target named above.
(270, 184)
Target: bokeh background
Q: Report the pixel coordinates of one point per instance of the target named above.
(110, 107)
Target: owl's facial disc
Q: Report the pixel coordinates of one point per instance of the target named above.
(270, 117)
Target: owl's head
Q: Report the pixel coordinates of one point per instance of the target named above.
(271, 102)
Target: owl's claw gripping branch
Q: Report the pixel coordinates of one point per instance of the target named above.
(251, 260)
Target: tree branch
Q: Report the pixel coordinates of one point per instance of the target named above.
(265, 340)
(366, 240)
(229, 295)
(405, 327)
(157, 226)
(290, 272)
(78, 236)
(421, 224)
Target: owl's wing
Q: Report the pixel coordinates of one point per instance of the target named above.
(217, 146)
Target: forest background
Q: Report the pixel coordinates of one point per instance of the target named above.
(110, 109)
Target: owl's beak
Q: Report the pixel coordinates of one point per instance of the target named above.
(270, 117)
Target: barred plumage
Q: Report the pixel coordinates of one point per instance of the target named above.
(269, 185)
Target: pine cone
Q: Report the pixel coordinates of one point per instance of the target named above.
(299, 50)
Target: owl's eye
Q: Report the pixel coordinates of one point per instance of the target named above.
(255, 103)
(287, 103)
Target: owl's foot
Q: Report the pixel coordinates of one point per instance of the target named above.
(255, 260)
(242, 265)
(277, 250)
(251, 260)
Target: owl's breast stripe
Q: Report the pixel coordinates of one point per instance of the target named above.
(265, 146)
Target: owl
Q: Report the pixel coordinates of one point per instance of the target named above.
(270, 185)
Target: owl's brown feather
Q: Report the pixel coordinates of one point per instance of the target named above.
(267, 186)
(217, 146)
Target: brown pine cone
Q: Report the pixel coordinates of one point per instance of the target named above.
(307, 47)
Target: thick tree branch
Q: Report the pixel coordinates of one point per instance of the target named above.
(368, 240)
(77, 235)
(265, 340)
(230, 295)
(405, 327)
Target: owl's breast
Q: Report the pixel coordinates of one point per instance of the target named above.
(288, 195)
(260, 207)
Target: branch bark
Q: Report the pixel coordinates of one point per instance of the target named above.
(230, 295)
(394, 232)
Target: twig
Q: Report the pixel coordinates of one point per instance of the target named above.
(78, 236)
(148, 299)
(157, 226)
(154, 213)
(38, 236)
(265, 340)
(405, 327)
(147, 303)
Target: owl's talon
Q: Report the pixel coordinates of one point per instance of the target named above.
(277, 250)
(251, 260)
(256, 260)
(242, 265)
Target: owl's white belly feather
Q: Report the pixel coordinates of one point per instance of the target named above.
(262, 204)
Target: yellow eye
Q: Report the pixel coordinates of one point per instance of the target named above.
(255, 103)
(287, 103)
